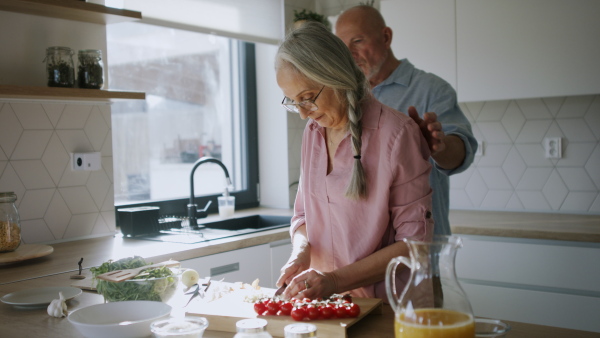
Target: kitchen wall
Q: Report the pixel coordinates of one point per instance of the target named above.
(37, 136)
(512, 174)
(54, 202)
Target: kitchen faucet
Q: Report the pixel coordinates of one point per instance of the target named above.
(193, 212)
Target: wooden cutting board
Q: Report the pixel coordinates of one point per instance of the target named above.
(25, 252)
(223, 313)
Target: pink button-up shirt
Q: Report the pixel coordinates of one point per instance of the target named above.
(342, 231)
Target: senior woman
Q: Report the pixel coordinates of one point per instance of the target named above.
(364, 183)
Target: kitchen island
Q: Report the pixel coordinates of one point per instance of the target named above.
(56, 268)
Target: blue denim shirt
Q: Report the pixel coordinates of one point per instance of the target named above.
(408, 86)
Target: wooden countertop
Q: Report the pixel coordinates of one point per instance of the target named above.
(564, 227)
(35, 322)
(98, 250)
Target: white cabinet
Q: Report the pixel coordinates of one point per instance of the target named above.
(242, 265)
(535, 281)
(424, 32)
(497, 50)
(280, 253)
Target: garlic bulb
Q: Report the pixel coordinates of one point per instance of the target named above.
(58, 307)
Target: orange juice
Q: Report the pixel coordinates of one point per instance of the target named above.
(435, 323)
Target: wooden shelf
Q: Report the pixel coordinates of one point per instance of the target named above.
(75, 94)
(71, 10)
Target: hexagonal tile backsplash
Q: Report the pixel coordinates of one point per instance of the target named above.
(36, 140)
(513, 174)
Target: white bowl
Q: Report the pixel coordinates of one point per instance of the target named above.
(120, 319)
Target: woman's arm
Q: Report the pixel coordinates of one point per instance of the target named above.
(299, 259)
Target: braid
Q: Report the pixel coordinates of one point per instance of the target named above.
(357, 187)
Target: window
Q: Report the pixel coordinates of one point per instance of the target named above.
(200, 101)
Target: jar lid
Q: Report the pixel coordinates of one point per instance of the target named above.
(90, 51)
(58, 48)
(251, 325)
(8, 196)
(300, 330)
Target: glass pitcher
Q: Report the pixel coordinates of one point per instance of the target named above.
(432, 304)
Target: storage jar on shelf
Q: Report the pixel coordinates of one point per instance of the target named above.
(10, 225)
(90, 72)
(59, 67)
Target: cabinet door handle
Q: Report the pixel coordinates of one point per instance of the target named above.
(219, 270)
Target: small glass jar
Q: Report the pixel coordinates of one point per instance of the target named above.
(10, 225)
(252, 328)
(300, 330)
(60, 67)
(90, 70)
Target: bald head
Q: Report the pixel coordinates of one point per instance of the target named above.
(363, 30)
(367, 17)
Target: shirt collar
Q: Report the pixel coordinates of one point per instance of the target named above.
(401, 75)
(371, 113)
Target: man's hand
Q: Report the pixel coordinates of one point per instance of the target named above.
(431, 129)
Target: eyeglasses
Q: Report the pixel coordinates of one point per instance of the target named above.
(308, 105)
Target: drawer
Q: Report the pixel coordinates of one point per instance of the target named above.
(551, 264)
(242, 265)
(536, 307)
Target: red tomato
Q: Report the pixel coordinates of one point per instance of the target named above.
(298, 313)
(353, 310)
(286, 308)
(259, 307)
(273, 307)
(326, 311)
(340, 311)
(312, 312)
(306, 300)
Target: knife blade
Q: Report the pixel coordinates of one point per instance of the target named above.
(280, 290)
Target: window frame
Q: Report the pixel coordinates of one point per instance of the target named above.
(249, 197)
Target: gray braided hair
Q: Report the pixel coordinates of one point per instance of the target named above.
(313, 51)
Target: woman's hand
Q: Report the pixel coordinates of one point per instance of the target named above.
(311, 284)
(298, 262)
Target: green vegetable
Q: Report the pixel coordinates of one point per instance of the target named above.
(148, 285)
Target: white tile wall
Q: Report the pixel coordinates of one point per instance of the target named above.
(513, 174)
(533, 183)
(55, 203)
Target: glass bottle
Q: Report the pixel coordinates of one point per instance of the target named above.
(60, 67)
(10, 225)
(252, 328)
(90, 72)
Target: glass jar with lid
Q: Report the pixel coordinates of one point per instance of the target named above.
(300, 330)
(252, 328)
(90, 69)
(10, 225)
(60, 67)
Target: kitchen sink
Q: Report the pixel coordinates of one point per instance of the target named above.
(218, 229)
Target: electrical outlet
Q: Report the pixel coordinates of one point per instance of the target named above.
(86, 161)
(553, 147)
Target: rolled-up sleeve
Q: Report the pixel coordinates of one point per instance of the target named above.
(410, 193)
